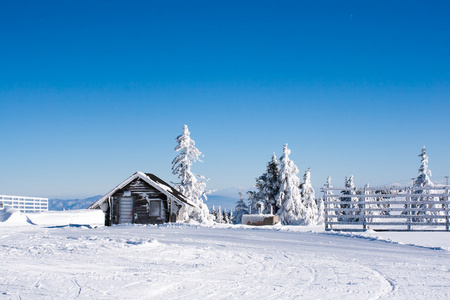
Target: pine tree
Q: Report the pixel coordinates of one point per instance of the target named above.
(212, 211)
(289, 198)
(380, 202)
(240, 210)
(350, 186)
(331, 211)
(267, 188)
(258, 195)
(225, 217)
(271, 186)
(423, 180)
(191, 185)
(219, 216)
(311, 212)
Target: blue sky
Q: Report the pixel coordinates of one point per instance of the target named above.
(92, 91)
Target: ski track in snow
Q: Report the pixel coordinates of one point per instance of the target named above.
(189, 262)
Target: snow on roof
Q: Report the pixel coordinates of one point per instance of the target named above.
(152, 180)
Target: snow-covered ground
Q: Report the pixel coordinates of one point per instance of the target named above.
(193, 262)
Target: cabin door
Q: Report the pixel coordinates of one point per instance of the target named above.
(126, 210)
(155, 211)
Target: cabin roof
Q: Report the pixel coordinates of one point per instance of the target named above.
(152, 180)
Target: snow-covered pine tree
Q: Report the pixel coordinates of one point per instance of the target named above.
(225, 217)
(423, 180)
(219, 215)
(289, 198)
(212, 211)
(240, 210)
(311, 212)
(320, 210)
(380, 201)
(271, 186)
(377, 201)
(351, 201)
(370, 203)
(191, 185)
(331, 212)
(253, 198)
(267, 187)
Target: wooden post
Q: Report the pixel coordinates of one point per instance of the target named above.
(408, 207)
(325, 202)
(170, 203)
(363, 210)
(446, 207)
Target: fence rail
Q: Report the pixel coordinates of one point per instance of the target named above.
(24, 204)
(387, 208)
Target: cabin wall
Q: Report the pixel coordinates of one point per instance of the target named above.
(148, 205)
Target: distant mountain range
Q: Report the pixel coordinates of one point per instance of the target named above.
(64, 204)
(222, 201)
(226, 198)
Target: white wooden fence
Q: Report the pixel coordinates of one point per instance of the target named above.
(24, 204)
(387, 208)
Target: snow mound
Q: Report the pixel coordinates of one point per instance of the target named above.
(84, 217)
(88, 217)
(12, 217)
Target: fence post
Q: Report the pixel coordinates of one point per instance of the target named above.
(325, 202)
(446, 207)
(363, 210)
(408, 208)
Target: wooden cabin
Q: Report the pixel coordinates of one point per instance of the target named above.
(142, 198)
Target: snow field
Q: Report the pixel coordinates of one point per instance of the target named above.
(193, 262)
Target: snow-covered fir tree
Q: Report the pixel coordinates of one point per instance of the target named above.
(240, 210)
(291, 210)
(423, 180)
(370, 203)
(380, 202)
(225, 217)
(191, 185)
(271, 186)
(267, 188)
(230, 216)
(221, 215)
(218, 216)
(352, 201)
(253, 198)
(320, 210)
(330, 212)
(311, 212)
(212, 211)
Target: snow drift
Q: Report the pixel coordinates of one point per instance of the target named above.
(12, 217)
(83, 217)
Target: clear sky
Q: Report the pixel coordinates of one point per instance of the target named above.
(92, 91)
